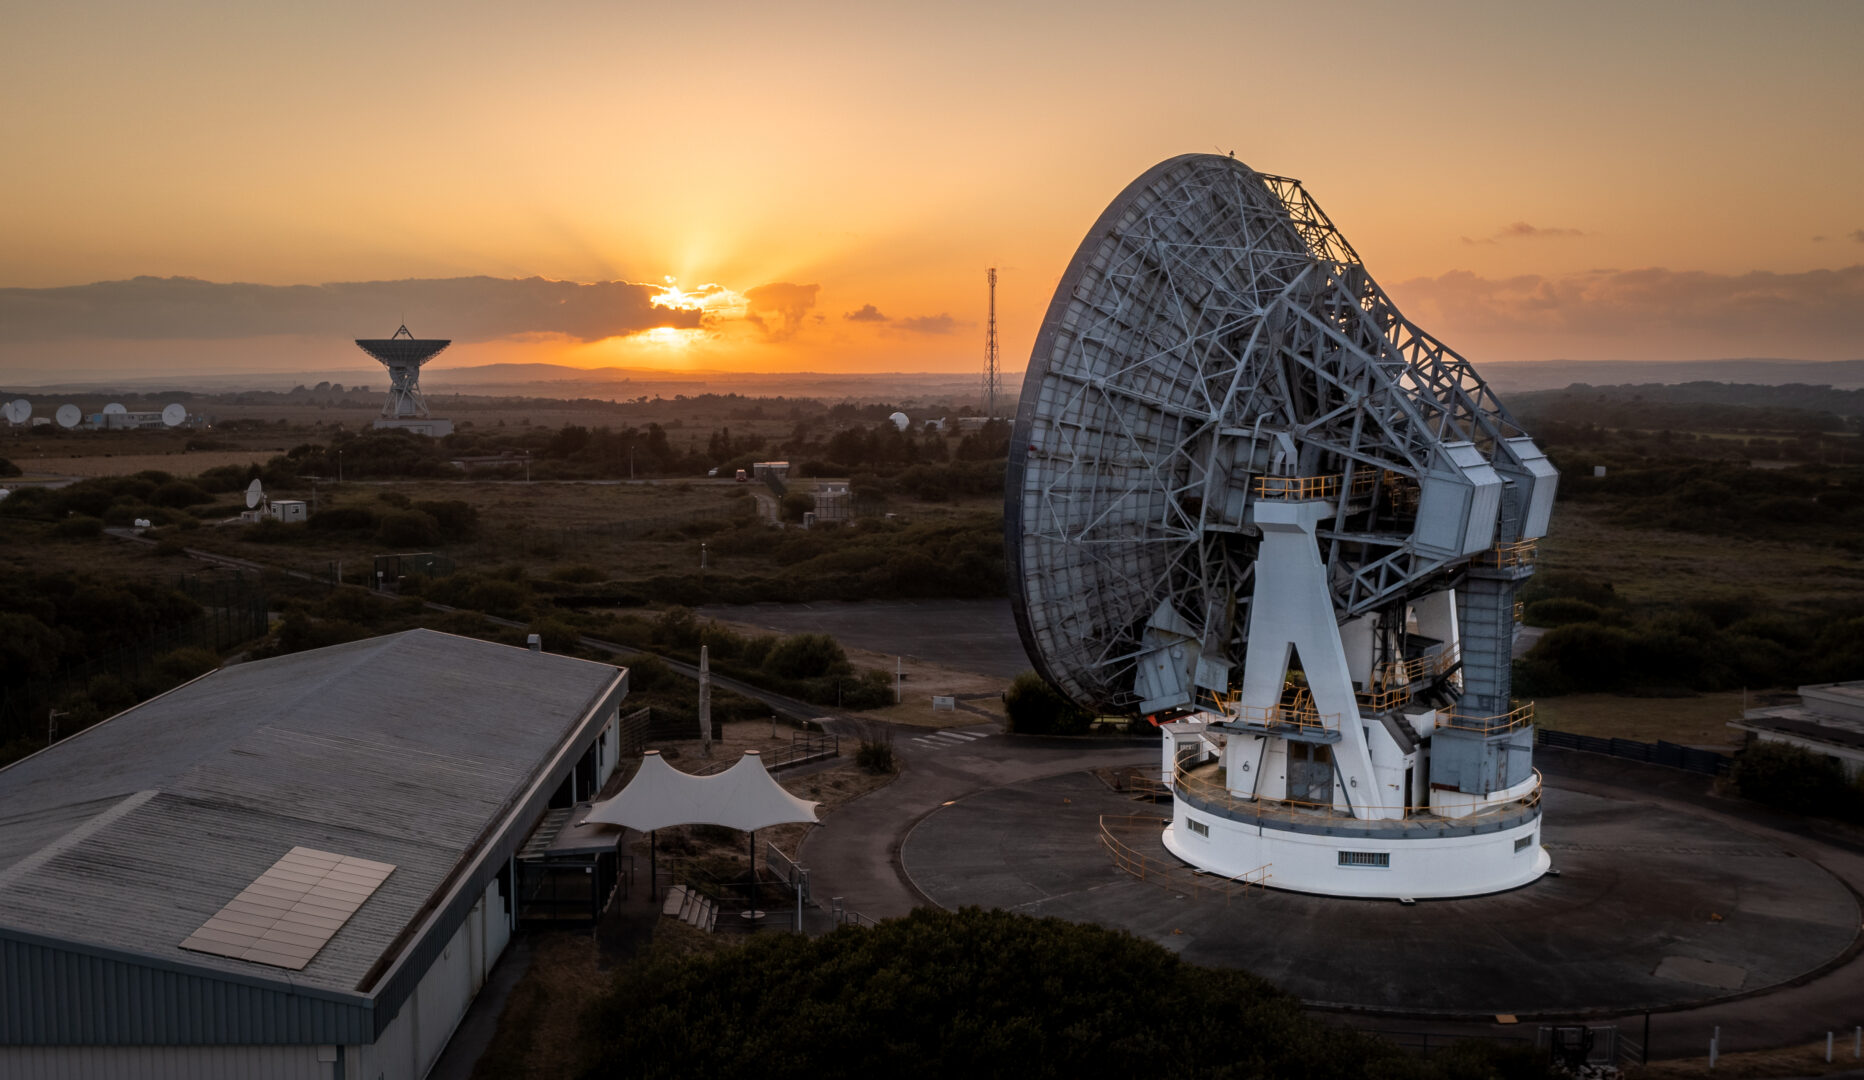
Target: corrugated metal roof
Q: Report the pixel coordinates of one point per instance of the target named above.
(406, 749)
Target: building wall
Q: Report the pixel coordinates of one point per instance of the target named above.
(167, 1062)
(1851, 759)
(413, 1041)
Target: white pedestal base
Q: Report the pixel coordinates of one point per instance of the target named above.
(1414, 866)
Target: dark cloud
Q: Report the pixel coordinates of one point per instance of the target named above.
(778, 309)
(929, 324)
(868, 313)
(1810, 306)
(1521, 230)
(464, 309)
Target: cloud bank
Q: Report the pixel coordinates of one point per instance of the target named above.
(868, 313)
(941, 323)
(463, 309)
(778, 309)
(1686, 313)
(1521, 230)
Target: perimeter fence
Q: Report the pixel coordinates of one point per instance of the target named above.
(1669, 754)
(233, 611)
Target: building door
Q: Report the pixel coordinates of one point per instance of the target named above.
(1310, 773)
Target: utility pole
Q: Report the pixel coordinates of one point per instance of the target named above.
(990, 352)
(705, 699)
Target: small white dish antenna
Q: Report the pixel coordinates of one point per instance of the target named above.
(5, 494)
(18, 411)
(173, 415)
(115, 408)
(68, 416)
(900, 420)
(255, 494)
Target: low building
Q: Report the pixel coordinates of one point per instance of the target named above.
(296, 867)
(1828, 720)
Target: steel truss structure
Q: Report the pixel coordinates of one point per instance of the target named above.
(1213, 335)
(403, 354)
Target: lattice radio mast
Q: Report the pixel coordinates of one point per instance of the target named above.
(990, 352)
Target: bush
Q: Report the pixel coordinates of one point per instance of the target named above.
(1796, 780)
(1559, 611)
(876, 754)
(1036, 708)
(77, 528)
(186, 663)
(796, 504)
(179, 494)
(456, 518)
(408, 529)
(7, 468)
(806, 656)
(578, 574)
(558, 636)
(343, 519)
(984, 994)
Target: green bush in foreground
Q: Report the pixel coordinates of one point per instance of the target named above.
(978, 994)
(1036, 708)
(1796, 780)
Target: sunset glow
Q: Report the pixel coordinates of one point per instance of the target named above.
(823, 188)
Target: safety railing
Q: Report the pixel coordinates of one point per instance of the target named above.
(1489, 725)
(1170, 874)
(1285, 716)
(1394, 683)
(1520, 610)
(1506, 556)
(1218, 795)
(1297, 488)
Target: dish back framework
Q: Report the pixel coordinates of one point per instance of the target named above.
(1249, 499)
(403, 355)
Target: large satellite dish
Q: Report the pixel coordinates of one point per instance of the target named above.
(255, 494)
(115, 408)
(17, 411)
(1244, 492)
(174, 415)
(68, 416)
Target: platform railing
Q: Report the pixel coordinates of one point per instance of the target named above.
(1507, 556)
(1170, 874)
(1212, 793)
(1297, 488)
(1489, 725)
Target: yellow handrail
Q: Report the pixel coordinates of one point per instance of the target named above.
(1218, 794)
(1172, 875)
(1519, 553)
(1296, 488)
(1489, 725)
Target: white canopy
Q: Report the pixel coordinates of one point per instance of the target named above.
(742, 797)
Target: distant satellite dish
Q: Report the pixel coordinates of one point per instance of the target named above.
(5, 494)
(900, 420)
(19, 411)
(68, 416)
(115, 408)
(174, 414)
(255, 494)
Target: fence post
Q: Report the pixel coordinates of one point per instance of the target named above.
(1711, 1053)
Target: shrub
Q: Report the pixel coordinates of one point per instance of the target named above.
(796, 504)
(343, 519)
(456, 518)
(179, 494)
(578, 574)
(806, 656)
(408, 529)
(78, 528)
(1559, 611)
(558, 636)
(876, 754)
(7, 468)
(185, 663)
(1796, 780)
(1036, 708)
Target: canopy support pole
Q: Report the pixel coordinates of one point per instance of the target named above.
(753, 878)
(653, 864)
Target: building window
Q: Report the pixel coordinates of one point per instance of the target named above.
(1197, 827)
(1379, 859)
(1521, 844)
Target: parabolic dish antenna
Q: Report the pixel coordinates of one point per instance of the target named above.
(68, 416)
(173, 415)
(1247, 495)
(255, 494)
(115, 408)
(900, 420)
(18, 411)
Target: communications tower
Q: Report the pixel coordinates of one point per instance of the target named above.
(990, 352)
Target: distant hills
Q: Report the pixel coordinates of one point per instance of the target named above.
(1559, 374)
(560, 381)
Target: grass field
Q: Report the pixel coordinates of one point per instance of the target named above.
(1692, 721)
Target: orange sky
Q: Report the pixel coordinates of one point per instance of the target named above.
(1574, 181)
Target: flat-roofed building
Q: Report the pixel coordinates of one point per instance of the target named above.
(295, 867)
(1829, 720)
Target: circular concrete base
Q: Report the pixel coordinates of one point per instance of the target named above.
(1653, 908)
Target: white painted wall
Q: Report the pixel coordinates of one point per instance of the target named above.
(166, 1062)
(412, 1042)
(1421, 867)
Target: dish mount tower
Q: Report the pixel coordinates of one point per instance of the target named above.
(1251, 501)
(990, 352)
(403, 355)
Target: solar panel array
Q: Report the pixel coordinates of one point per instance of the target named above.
(292, 910)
